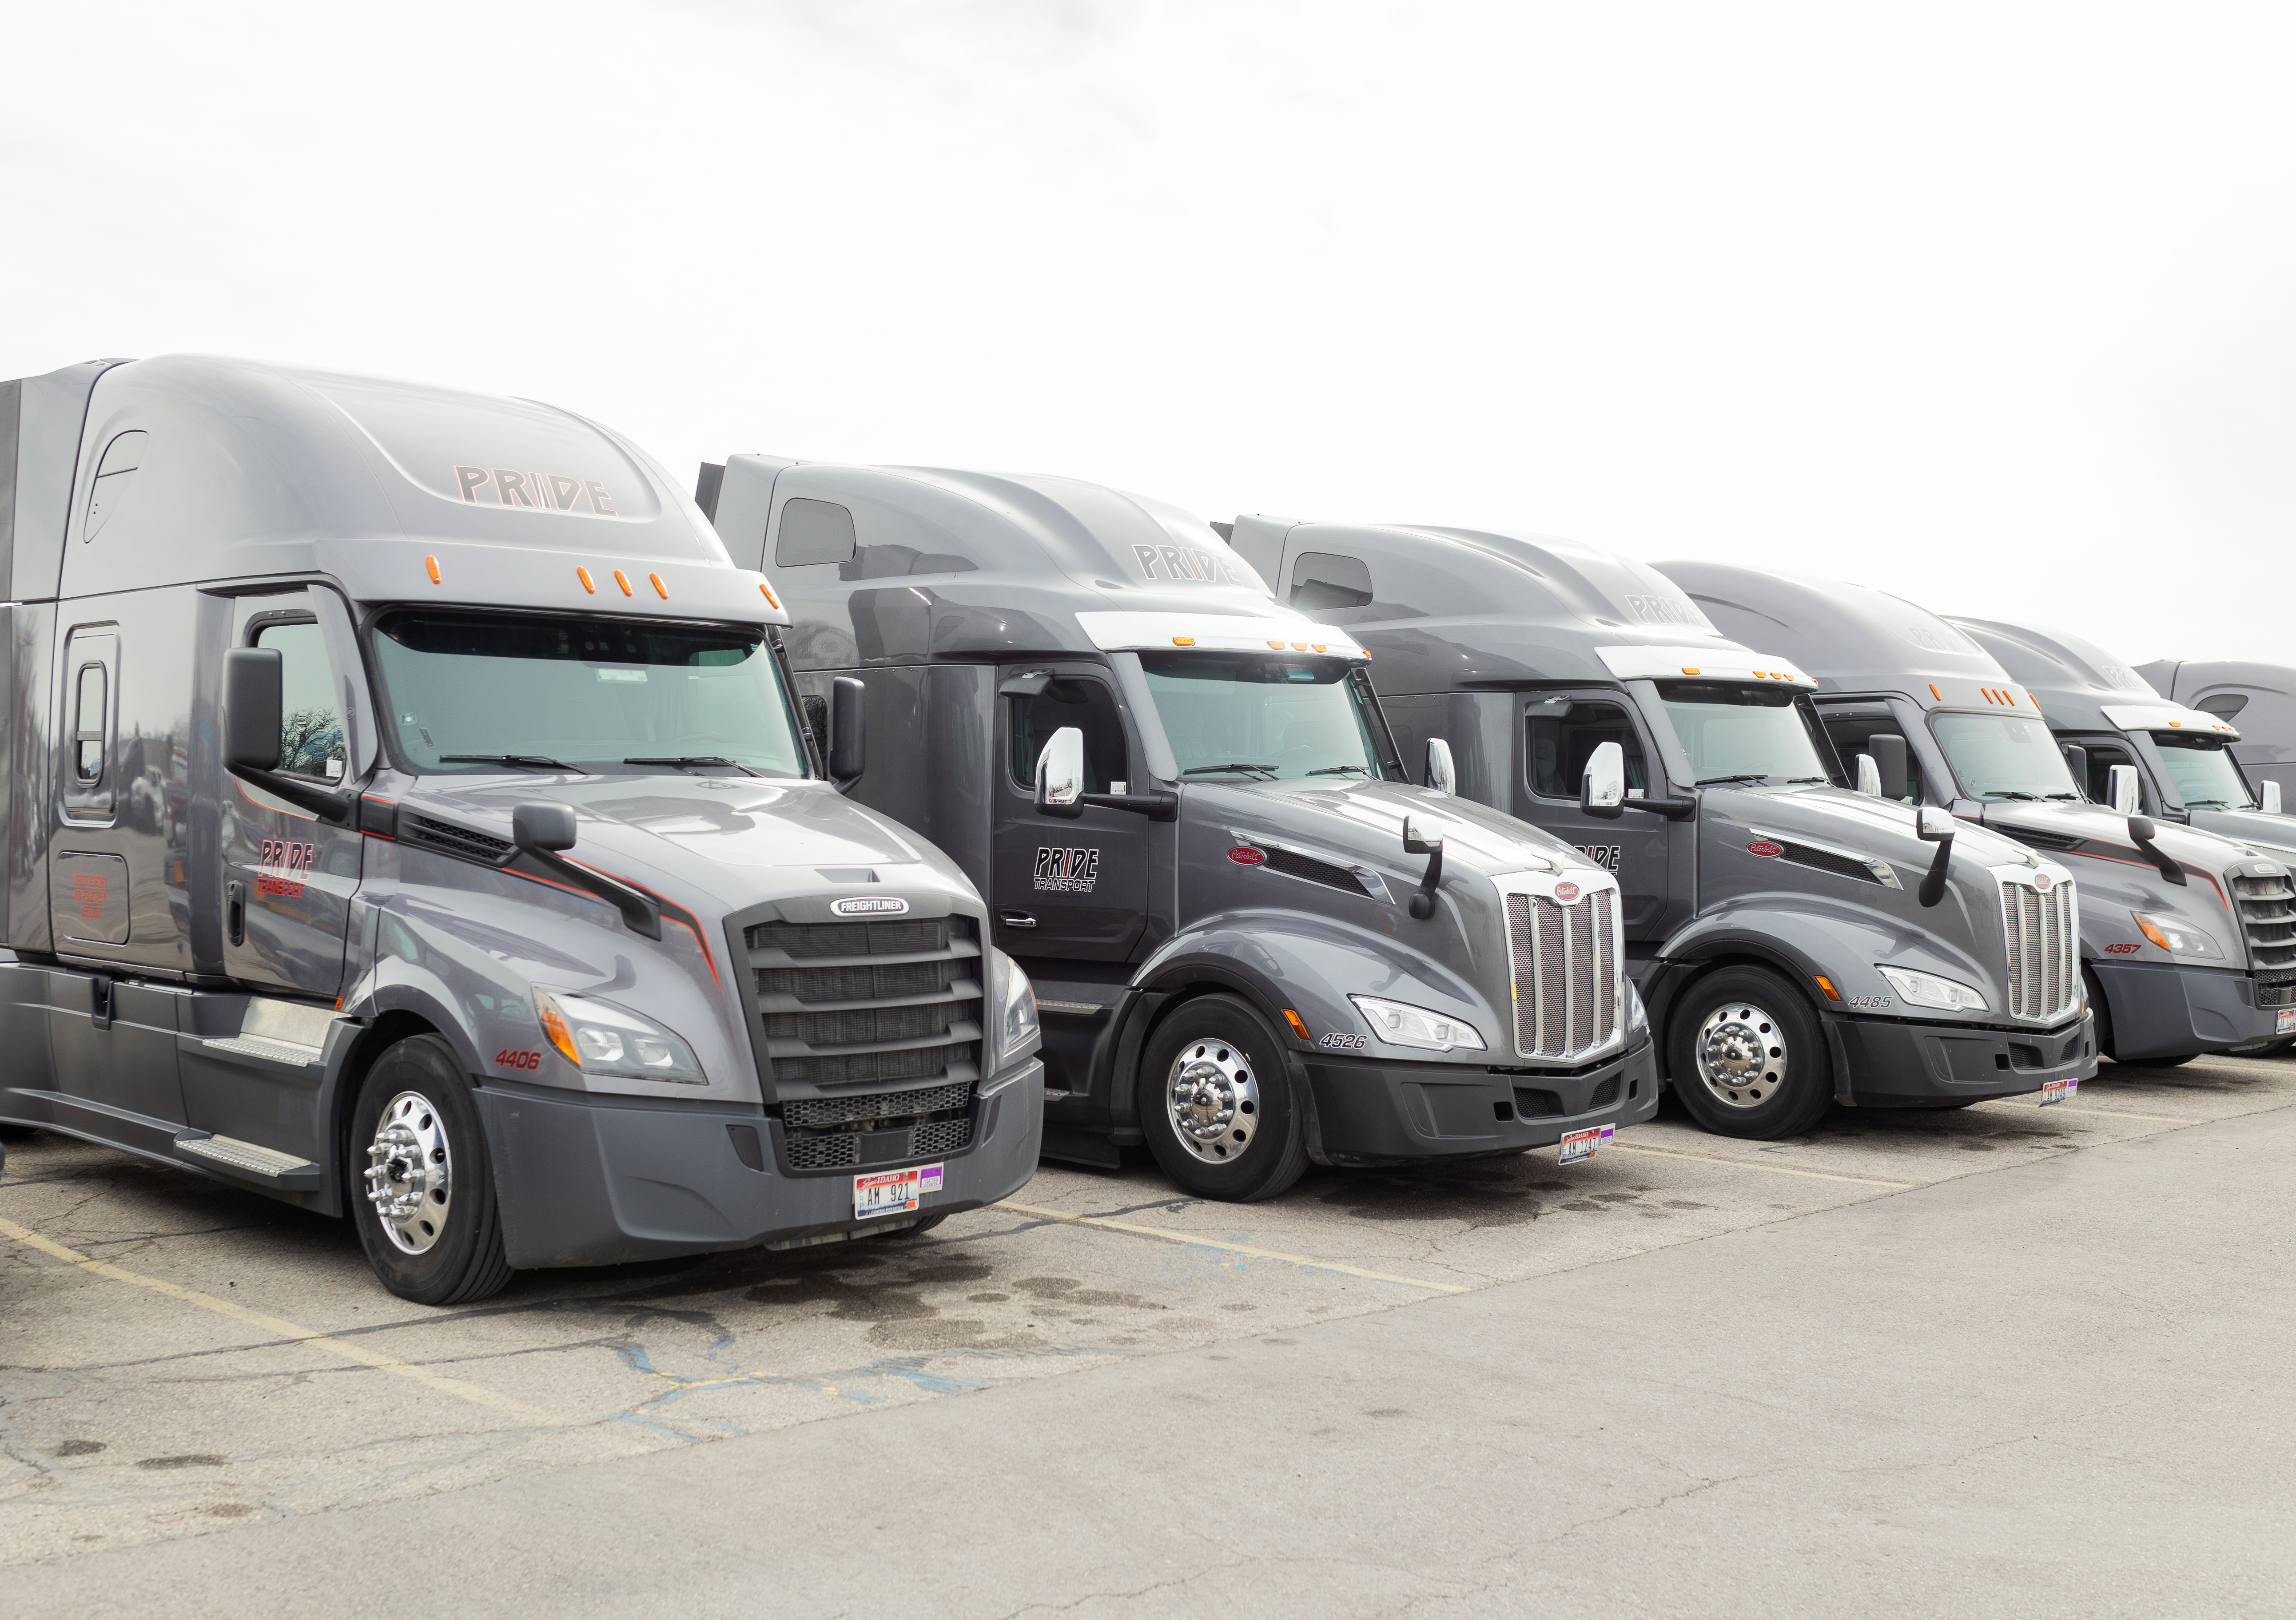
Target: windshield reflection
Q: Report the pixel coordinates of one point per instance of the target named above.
(2000, 757)
(2203, 770)
(1237, 718)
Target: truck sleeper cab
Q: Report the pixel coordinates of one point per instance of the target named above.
(411, 820)
(1798, 943)
(2181, 933)
(1257, 946)
(2259, 699)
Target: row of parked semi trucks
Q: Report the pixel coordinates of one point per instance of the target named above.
(418, 809)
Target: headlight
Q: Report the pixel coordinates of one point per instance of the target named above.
(1637, 1018)
(2176, 938)
(1398, 1025)
(1928, 990)
(608, 1041)
(1019, 1022)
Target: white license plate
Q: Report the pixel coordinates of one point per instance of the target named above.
(1581, 1144)
(2286, 1024)
(2058, 1091)
(893, 1192)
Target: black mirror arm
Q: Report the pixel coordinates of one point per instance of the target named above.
(1672, 809)
(1155, 806)
(2140, 833)
(1423, 898)
(328, 804)
(1933, 890)
(639, 912)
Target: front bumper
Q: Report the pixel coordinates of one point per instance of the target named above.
(2166, 1010)
(1881, 1063)
(1375, 1113)
(595, 1180)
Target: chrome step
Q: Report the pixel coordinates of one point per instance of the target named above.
(246, 1156)
(263, 1046)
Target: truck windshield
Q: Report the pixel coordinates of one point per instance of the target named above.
(1234, 716)
(2203, 770)
(2002, 756)
(485, 692)
(1742, 733)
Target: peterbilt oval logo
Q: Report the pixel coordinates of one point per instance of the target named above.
(2044, 882)
(870, 906)
(1243, 854)
(1763, 847)
(1566, 893)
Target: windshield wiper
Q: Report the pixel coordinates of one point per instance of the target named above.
(1792, 781)
(532, 762)
(2011, 793)
(1215, 770)
(688, 761)
(1340, 770)
(1709, 781)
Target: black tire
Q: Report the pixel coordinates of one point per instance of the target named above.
(1766, 1038)
(1248, 1138)
(461, 1256)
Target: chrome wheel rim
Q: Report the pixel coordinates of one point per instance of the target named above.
(408, 1169)
(1213, 1101)
(1742, 1055)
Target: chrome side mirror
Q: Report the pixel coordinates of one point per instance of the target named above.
(1937, 822)
(2120, 790)
(1602, 789)
(1440, 774)
(1869, 776)
(1059, 774)
(2268, 798)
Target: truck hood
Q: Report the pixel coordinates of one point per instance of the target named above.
(2060, 825)
(1362, 821)
(1857, 823)
(2276, 835)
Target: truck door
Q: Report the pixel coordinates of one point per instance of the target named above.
(1559, 731)
(288, 877)
(1074, 889)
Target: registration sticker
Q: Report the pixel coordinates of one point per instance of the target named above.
(2058, 1091)
(893, 1192)
(1581, 1144)
(2286, 1024)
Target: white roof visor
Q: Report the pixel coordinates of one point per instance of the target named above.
(2167, 718)
(1707, 663)
(1216, 633)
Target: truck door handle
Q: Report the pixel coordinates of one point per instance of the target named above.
(235, 912)
(1017, 920)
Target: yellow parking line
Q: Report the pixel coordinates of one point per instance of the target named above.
(1233, 1249)
(2082, 1107)
(365, 1357)
(1744, 1163)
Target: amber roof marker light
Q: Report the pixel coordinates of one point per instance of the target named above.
(431, 564)
(588, 584)
(623, 580)
(772, 600)
(660, 589)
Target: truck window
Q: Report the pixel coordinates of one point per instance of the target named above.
(1326, 580)
(87, 726)
(2001, 757)
(596, 695)
(1851, 735)
(1241, 717)
(814, 531)
(1084, 703)
(1559, 746)
(1733, 732)
(2203, 770)
(310, 716)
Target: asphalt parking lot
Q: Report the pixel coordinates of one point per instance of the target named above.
(181, 1361)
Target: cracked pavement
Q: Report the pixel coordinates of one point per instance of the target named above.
(1999, 1359)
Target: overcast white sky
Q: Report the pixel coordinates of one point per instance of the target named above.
(1987, 304)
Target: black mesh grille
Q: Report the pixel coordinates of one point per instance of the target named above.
(941, 1136)
(1825, 860)
(1532, 1103)
(888, 982)
(833, 1152)
(1605, 1094)
(804, 939)
(450, 839)
(2267, 914)
(813, 1042)
(2282, 994)
(917, 1063)
(862, 1027)
(1293, 865)
(813, 1112)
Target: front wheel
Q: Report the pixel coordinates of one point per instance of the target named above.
(1215, 1103)
(1747, 1056)
(423, 1191)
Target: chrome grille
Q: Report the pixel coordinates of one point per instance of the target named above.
(2042, 932)
(1566, 966)
(2268, 917)
(849, 1003)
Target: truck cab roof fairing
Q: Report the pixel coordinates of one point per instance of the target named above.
(1458, 605)
(1865, 640)
(2260, 698)
(245, 468)
(2081, 687)
(909, 564)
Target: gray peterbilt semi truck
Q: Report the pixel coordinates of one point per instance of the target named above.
(1797, 943)
(407, 816)
(1256, 944)
(2181, 933)
(2260, 698)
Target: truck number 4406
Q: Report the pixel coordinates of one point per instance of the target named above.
(507, 1058)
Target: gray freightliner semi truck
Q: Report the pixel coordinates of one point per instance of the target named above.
(406, 816)
(1256, 943)
(2182, 934)
(2260, 698)
(1797, 943)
